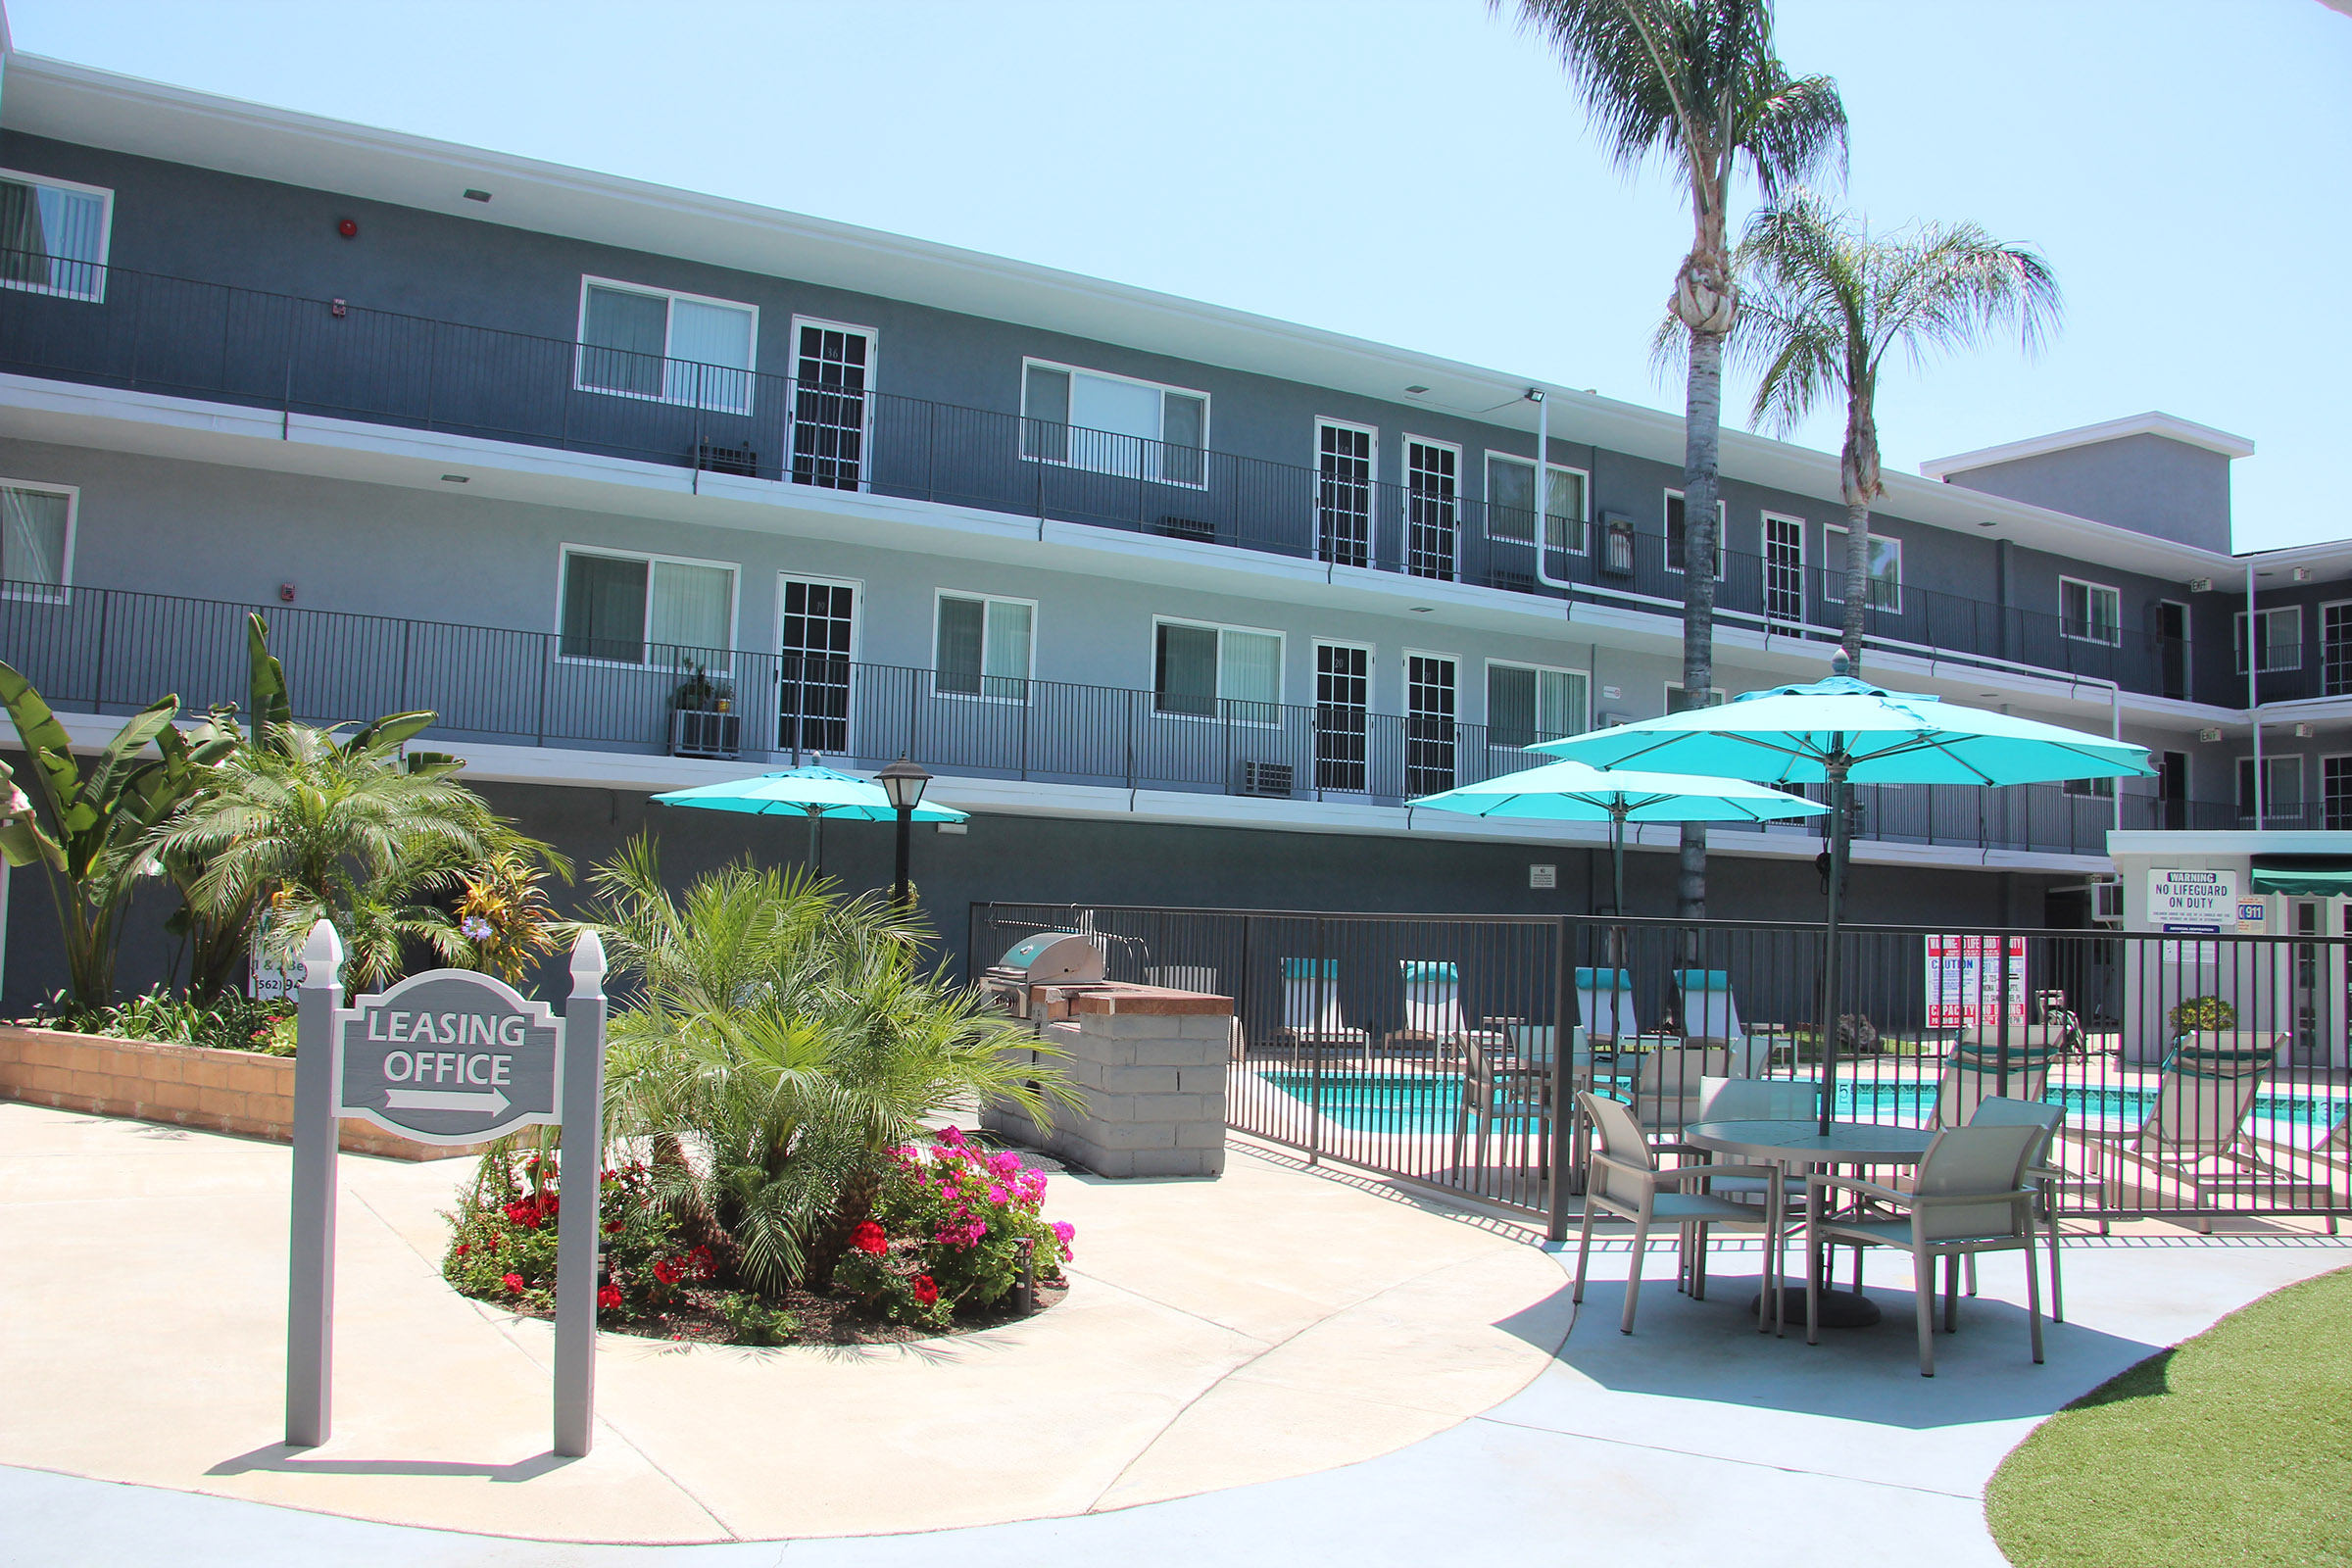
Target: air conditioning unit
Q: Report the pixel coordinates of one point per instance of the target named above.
(1515, 582)
(1271, 780)
(1188, 529)
(1617, 544)
(2107, 903)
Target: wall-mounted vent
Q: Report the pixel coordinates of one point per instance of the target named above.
(1271, 780)
(1515, 582)
(727, 459)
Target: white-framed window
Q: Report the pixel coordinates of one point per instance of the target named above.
(1113, 424)
(1678, 531)
(984, 646)
(2280, 634)
(36, 538)
(1674, 697)
(666, 347)
(2283, 787)
(1884, 570)
(1531, 703)
(2090, 612)
(54, 235)
(624, 608)
(1346, 457)
(1204, 671)
(1511, 503)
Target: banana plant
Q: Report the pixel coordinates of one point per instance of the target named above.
(90, 830)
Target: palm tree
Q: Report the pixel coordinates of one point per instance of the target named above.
(1696, 83)
(1826, 303)
(777, 1043)
(313, 826)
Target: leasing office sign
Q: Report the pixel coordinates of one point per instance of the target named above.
(2193, 901)
(452, 1056)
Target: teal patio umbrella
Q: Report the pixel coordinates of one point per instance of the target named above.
(1578, 792)
(1845, 731)
(813, 791)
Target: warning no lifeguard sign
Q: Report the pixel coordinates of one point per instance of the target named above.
(2193, 901)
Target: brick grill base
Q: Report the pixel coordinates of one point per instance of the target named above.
(184, 1086)
(1149, 1065)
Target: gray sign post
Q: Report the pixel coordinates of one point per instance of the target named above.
(576, 1228)
(449, 1057)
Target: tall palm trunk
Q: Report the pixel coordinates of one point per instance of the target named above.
(1706, 301)
(1858, 482)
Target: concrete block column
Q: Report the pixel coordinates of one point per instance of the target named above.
(1149, 1065)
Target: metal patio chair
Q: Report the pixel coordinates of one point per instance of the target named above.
(2000, 1113)
(1970, 1194)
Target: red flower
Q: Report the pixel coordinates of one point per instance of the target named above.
(668, 1271)
(614, 1227)
(705, 1267)
(925, 1291)
(869, 1238)
(513, 1282)
(608, 1297)
(463, 1248)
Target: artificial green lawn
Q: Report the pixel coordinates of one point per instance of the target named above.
(2233, 1447)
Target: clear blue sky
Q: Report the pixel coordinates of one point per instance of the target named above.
(1415, 171)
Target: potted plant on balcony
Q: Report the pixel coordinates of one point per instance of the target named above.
(700, 694)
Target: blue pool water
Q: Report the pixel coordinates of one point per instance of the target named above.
(1414, 1102)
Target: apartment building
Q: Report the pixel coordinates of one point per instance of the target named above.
(639, 488)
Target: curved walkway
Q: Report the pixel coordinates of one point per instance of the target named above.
(1696, 1441)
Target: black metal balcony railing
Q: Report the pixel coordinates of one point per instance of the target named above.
(328, 358)
(112, 651)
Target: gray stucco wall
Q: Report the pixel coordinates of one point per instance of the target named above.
(2148, 483)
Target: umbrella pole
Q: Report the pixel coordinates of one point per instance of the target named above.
(1831, 978)
(1618, 955)
(815, 845)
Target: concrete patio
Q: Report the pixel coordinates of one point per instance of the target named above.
(1280, 1362)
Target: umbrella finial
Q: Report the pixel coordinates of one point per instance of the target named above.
(1841, 664)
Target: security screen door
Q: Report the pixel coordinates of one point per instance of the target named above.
(813, 673)
(1343, 705)
(1429, 732)
(1432, 509)
(830, 367)
(1783, 570)
(1344, 496)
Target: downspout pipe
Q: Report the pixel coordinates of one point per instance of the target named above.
(2254, 700)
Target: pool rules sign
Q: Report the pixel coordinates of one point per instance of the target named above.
(448, 1057)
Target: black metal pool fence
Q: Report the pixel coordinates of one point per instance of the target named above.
(2201, 1075)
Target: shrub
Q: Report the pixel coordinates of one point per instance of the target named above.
(948, 1230)
(753, 1321)
(228, 1022)
(502, 1242)
(2204, 1013)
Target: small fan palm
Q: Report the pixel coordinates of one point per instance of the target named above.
(318, 827)
(1697, 84)
(1827, 302)
(774, 1043)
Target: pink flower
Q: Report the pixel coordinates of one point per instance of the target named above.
(998, 1195)
(1006, 1163)
(952, 1137)
(1063, 1230)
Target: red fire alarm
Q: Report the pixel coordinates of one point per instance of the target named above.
(349, 229)
(285, 592)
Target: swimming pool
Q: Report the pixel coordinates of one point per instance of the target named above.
(1427, 1103)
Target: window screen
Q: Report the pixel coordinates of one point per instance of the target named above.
(624, 339)
(603, 609)
(1185, 671)
(53, 239)
(32, 536)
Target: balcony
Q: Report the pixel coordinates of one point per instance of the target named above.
(329, 359)
(111, 651)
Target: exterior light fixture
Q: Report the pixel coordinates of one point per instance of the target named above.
(1535, 394)
(1424, 610)
(1988, 523)
(1416, 391)
(478, 195)
(903, 781)
(455, 478)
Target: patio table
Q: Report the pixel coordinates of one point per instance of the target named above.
(1793, 1144)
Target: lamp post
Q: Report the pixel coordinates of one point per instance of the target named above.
(903, 781)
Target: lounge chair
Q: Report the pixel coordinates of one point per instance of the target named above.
(1310, 1008)
(1972, 1194)
(2203, 1097)
(1432, 1010)
(1622, 1178)
(1604, 1001)
(1711, 1014)
(1978, 1070)
(2002, 1113)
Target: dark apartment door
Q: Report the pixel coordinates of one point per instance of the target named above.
(1429, 726)
(2171, 646)
(1344, 495)
(830, 367)
(1342, 709)
(2335, 648)
(2171, 791)
(813, 669)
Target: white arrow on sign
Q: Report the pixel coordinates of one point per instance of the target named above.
(490, 1102)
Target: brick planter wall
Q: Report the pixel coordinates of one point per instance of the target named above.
(186, 1086)
(1150, 1068)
